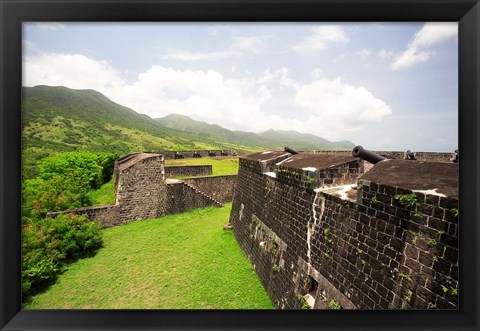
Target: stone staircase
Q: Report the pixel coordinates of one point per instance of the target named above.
(215, 202)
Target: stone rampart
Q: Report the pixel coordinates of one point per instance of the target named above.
(190, 170)
(315, 245)
(141, 191)
(221, 188)
(190, 154)
(108, 216)
(183, 197)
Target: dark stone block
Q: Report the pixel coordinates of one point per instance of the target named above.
(390, 190)
(432, 200)
(425, 258)
(389, 209)
(448, 203)
(386, 199)
(402, 213)
(449, 240)
(438, 224)
(411, 252)
(442, 266)
(413, 265)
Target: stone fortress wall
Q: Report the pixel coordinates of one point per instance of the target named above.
(326, 230)
(144, 190)
(189, 170)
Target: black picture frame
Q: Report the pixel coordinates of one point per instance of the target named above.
(14, 12)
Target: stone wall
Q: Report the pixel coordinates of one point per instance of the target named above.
(312, 248)
(183, 197)
(140, 189)
(141, 192)
(189, 154)
(221, 188)
(108, 215)
(191, 170)
(420, 156)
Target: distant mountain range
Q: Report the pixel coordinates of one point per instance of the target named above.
(273, 139)
(59, 119)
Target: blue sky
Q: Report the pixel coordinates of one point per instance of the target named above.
(387, 86)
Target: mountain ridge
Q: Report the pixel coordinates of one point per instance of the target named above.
(269, 139)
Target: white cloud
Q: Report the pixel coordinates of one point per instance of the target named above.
(238, 104)
(184, 55)
(337, 107)
(50, 25)
(316, 73)
(72, 70)
(320, 38)
(365, 53)
(240, 46)
(417, 49)
(253, 44)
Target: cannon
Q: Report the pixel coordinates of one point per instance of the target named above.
(291, 151)
(454, 157)
(223, 153)
(359, 151)
(211, 154)
(410, 155)
(196, 155)
(178, 155)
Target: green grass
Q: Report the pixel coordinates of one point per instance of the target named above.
(105, 195)
(220, 165)
(178, 261)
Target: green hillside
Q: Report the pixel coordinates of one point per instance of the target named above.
(272, 139)
(59, 119)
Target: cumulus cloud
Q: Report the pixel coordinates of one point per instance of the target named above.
(338, 106)
(418, 48)
(333, 107)
(72, 70)
(321, 38)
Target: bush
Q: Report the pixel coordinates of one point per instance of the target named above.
(54, 194)
(49, 244)
(107, 162)
(82, 165)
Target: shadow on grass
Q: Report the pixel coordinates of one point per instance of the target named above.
(42, 287)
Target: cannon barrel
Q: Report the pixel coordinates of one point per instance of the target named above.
(359, 151)
(291, 151)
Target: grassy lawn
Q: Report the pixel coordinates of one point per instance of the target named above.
(178, 261)
(220, 165)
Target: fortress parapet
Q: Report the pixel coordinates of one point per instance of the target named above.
(322, 232)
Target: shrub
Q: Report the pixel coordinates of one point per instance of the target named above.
(107, 162)
(83, 165)
(54, 194)
(50, 243)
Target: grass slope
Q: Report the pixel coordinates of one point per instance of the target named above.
(177, 261)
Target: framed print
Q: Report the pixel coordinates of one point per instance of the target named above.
(328, 150)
